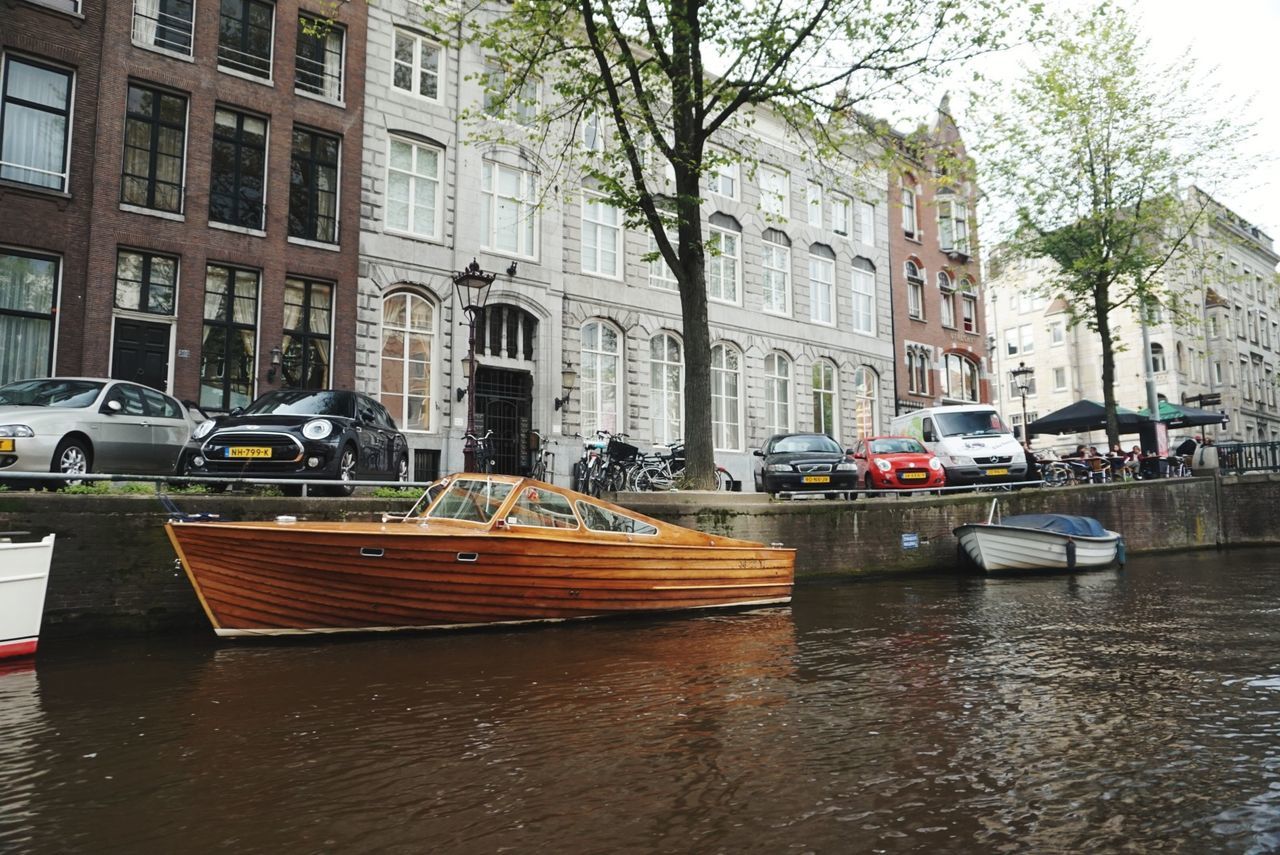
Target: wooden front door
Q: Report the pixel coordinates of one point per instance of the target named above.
(141, 353)
(504, 402)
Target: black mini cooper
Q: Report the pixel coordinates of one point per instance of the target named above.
(302, 433)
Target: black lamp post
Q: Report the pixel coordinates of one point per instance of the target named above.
(1022, 379)
(472, 286)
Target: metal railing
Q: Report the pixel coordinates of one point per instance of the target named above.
(40, 478)
(1236, 458)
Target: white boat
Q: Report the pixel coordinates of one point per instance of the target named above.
(1040, 542)
(24, 576)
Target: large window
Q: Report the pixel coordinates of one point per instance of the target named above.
(724, 268)
(841, 215)
(968, 306)
(313, 186)
(960, 377)
(813, 204)
(947, 293)
(416, 65)
(408, 345)
(660, 273)
(666, 387)
(777, 273)
(910, 225)
(864, 297)
(237, 176)
(163, 24)
(953, 226)
(723, 180)
(319, 58)
(777, 394)
(308, 312)
(155, 138)
(413, 188)
(726, 399)
(1158, 363)
(146, 282)
(826, 408)
(504, 99)
(601, 236)
(244, 37)
(866, 402)
(918, 370)
(230, 325)
(867, 223)
(508, 198)
(35, 123)
(822, 285)
(915, 291)
(601, 376)
(28, 297)
(775, 192)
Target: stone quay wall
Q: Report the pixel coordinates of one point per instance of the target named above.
(114, 570)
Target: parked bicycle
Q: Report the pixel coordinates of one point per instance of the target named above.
(665, 469)
(481, 451)
(544, 460)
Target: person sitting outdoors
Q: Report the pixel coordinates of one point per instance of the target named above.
(1132, 465)
(1180, 460)
(1080, 468)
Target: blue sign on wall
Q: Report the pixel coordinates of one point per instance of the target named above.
(910, 541)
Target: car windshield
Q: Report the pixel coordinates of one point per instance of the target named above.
(903, 445)
(973, 423)
(302, 402)
(789, 444)
(51, 393)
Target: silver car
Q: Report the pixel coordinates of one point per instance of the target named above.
(77, 425)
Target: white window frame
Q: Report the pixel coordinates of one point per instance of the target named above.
(817, 285)
(915, 290)
(867, 223)
(595, 389)
(776, 278)
(417, 66)
(775, 192)
(415, 178)
(813, 203)
(717, 281)
(661, 275)
(1059, 378)
(779, 387)
(666, 391)
(726, 402)
(824, 370)
(597, 232)
(591, 132)
(841, 215)
(726, 180)
(910, 217)
(142, 23)
(433, 335)
(521, 108)
(953, 226)
(864, 301)
(64, 177)
(1057, 334)
(526, 236)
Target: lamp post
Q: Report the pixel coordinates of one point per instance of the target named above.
(472, 287)
(1022, 379)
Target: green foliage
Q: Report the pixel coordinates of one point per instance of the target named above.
(396, 492)
(98, 488)
(188, 489)
(136, 487)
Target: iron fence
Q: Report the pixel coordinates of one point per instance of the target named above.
(1236, 458)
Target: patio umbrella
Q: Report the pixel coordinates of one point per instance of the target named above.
(1085, 415)
(1180, 415)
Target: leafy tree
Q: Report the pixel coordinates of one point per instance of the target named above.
(670, 76)
(1087, 158)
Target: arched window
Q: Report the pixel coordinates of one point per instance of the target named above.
(822, 280)
(1180, 355)
(826, 404)
(948, 294)
(918, 370)
(777, 393)
(864, 296)
(1157, 358)
(960, 376)
(666, 383)
(866, 402)
(408, 348)
(726, 400)
(601, 376)
(777, 272)
(724, 261)
(915, 290)
(968, 306)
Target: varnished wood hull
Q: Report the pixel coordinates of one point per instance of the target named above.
(292, 578)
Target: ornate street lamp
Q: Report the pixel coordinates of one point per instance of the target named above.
(1022, 379)
(472, 287)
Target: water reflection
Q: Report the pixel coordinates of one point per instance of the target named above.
(1114, 711)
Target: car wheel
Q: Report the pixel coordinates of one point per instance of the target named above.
(73, 457)
(346, 471)
(402, 469)
(869, 487)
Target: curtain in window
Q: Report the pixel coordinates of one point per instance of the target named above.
(32, 148)
(145, 15)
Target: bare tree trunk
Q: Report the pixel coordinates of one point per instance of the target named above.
(1101, 299)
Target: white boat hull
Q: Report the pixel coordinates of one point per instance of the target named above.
(996, 547)
(24, 577)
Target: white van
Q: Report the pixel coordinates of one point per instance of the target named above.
(971, 440)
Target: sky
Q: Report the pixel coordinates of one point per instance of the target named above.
(1236, 38)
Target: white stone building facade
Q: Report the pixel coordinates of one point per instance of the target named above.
(799, 296)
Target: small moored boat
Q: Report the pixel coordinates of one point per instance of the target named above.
(24, 577)
(1040, 542)
(474, 550)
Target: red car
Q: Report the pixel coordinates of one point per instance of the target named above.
(896, 463)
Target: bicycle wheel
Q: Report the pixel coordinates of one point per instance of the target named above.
(653, 478)
(724, 481)
(578, 476)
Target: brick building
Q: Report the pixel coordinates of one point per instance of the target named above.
(219, 250)
(940, 345)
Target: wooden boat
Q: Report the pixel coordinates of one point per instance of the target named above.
(24, 577)
(474, 550)
(1040, 542)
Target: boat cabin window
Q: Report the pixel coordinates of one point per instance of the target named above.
(542, 508)
(471, 500)
(597, 518)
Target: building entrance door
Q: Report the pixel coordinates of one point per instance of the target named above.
(504, 401)
(141, 353)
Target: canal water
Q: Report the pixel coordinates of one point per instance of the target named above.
(1117, 711)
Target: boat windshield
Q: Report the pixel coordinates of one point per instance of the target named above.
(472, 500)
(597, 518)
(51, 393)
(972, 423)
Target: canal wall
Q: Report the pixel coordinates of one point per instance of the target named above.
(114, 569)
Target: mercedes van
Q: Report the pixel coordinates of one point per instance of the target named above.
(972, 441)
